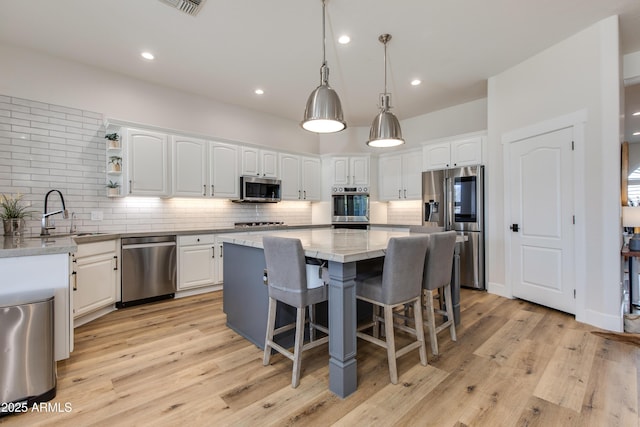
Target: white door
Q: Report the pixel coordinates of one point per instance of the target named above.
(189, 166)
(311, 173)
(390, 177)
(223, 170)
(541, 222)
(359, 170)
(412, 175)
(290, 188)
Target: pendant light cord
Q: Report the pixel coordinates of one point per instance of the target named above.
(324, 36)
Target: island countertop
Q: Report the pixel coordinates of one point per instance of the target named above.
(340, 245)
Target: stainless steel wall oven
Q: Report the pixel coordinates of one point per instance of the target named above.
(350, 207)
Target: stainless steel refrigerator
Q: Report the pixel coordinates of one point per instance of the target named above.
(454, 199)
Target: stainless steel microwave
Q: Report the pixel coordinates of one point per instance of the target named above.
(254, 189)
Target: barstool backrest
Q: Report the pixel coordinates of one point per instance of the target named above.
(439, 261)
(403, 268)
(286, 270)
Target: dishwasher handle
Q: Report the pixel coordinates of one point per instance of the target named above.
(148, 245)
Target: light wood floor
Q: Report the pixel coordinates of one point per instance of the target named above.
(175, 363)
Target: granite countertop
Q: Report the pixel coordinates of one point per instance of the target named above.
(341, 245)
(31, 246)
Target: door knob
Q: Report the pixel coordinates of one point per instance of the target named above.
(514, 228)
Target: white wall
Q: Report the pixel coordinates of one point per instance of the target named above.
(35, 76)
(579, 73)
(456, 120)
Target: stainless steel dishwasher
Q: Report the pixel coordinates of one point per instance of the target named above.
(148, 269)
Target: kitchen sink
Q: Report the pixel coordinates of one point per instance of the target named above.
(87, 234)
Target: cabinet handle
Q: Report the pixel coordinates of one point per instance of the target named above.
(305, 194)
(211, 190)
(75, 281)
(299, 195)
(130, 186)
(213, 251)
(115, 258)
(220, 250)
(204, 190)
(405, 193)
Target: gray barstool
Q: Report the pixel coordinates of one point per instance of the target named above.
(437, 275)
(400, 283)
(287, 282)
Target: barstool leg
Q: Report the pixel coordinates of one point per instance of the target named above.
(417, 312)
(297, 349)
(431, 322)
(312, 322)
(391, 343)
(271, 323)
(450, 318)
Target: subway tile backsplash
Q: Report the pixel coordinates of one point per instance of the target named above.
(45, 146)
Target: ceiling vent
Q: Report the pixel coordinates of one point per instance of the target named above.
(190, 7)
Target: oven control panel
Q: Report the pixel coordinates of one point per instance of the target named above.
(339, 190)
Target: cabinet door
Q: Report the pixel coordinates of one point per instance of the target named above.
(189, 166)
(466, 152)
(148, 163)
(95, 285)
(250, 161)
(224, 179)
(412, 175)
(311, 178)
(340, 171)
(219, 262)
(290, 187)
(390, 177)
(197, 266)
(359, 171)
(437, 156)
(269, 162)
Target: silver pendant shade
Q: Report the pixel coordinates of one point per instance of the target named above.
(323, 113)
(385, 129)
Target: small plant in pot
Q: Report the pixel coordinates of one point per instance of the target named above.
(113, 188)
(114, 139)
(116, 163)
(13, 213)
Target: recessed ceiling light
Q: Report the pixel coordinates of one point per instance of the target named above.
(147, 55)
(415, 82)
(259, 92)
(344, 39)
(637, 113)
(636, 133)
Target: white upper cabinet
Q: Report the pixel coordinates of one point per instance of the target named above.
(300, 176)
(148, 163)
(311, 178)
(350, 170)
(400, 176)
(224, 179)
(189, 166)
(257, 162)
(451, 154)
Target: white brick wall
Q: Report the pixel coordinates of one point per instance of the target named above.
(404, 212)
(46, 146)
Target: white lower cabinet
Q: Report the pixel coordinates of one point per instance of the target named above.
(97, 278)
(199, 261)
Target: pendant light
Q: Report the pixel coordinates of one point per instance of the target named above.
(385, 129)
(323, 113)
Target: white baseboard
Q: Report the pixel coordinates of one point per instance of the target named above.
(79, 321)
(499, 289)
(198, 291)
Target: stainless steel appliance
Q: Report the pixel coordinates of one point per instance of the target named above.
(254, 189)
(454, 199)
(148, 269)
(27, 361)
(350, 207)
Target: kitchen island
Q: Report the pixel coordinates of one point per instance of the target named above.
(342, 249)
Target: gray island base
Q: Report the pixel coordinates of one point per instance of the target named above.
(245, 300)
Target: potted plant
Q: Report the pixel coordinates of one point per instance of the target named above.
(116, 163)
(113, 188)
(114, 140)
(13, 213)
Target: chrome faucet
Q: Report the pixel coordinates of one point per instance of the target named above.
(48, 223)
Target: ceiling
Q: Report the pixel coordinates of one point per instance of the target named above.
(232, 47)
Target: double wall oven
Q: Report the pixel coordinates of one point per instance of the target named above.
(350, 207)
